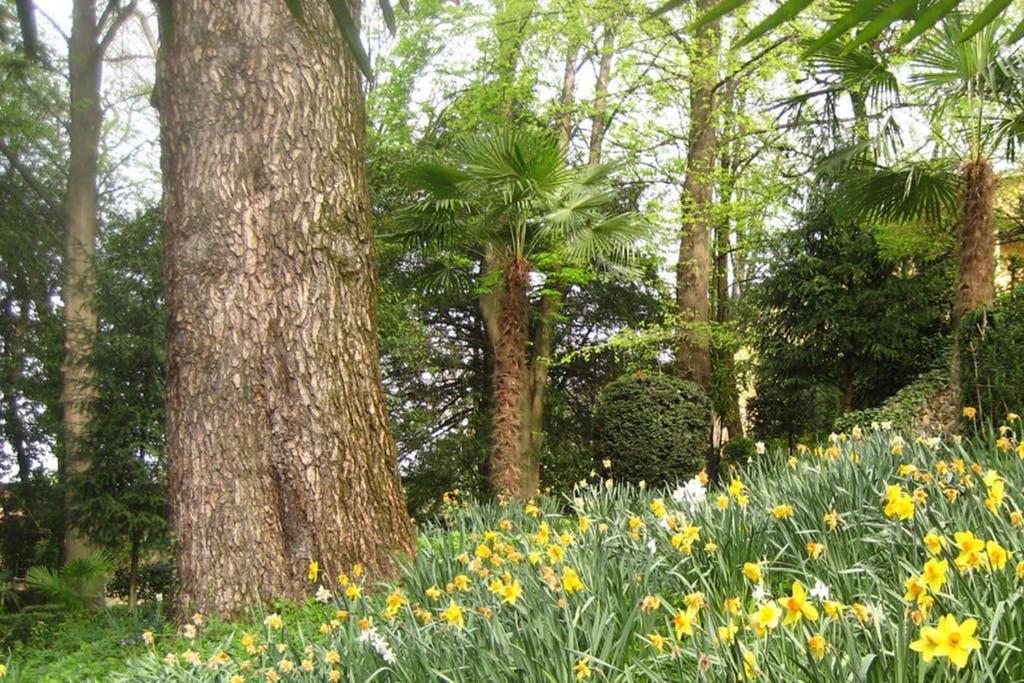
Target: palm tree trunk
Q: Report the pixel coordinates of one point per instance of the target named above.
(509, 362)
(975, 285)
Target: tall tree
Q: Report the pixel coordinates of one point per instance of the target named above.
(693, 356)
(510, 194)
(278, 445)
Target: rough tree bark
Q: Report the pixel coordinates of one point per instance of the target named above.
(536, 376)
(568, 95)
(693, 356)
(509, 379)
(278, 444)
(976, 243)
(976, 258)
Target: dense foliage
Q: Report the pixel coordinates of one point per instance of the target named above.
(652, 427)
(839, 326)
(991, 371)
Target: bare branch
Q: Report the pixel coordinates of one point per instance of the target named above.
(147, 32)
(122, 16)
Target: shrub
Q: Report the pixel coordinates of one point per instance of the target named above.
(991, 372)
(903, 409)
(19, 628)
(785, 411)
(736, 451)
(155, 578)
(653, 428)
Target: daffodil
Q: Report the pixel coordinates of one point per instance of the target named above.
(753, 572)
(797, 607)
(453, 615)
(571, 582)
(765, 619)
(949, 639)
(782, 511)
(683, 622)
(582, 669)
(934, 575)
(817, 644)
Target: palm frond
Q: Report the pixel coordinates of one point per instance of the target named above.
(78, 581)
(613, 239)
(873, 16)
(922, 191)
(859, 70)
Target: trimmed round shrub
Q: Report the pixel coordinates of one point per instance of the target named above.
(653, 428)
(736, 451)
(991, 371)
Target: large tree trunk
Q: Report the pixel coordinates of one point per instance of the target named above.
(568, 95)
(509, 367)
(277, 435)
(536, 387)
(725, 361)
(693, 356)
(78, 389)
(600, 117)
(536, 376)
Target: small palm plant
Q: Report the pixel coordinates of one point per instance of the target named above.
(507, 197)
(79, 583)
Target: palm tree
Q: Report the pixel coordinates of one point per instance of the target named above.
(972, 91)
(508, 196)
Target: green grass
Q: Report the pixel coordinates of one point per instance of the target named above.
(547, 632)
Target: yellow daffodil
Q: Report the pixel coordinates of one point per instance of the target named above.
(782, 511)
(453, 615)
(934, 575)
(571, 582)
(582, 669)
(948, 639)
(765, 619)
(683, 622)
(797, 607)
(817, 644)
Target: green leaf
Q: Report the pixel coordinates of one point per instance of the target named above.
(668, 7)
(880, 23)
(717, 12)
(350, 33)
(1016, 34)
(929, 18)
(985, 17)
(295, 7)
(789, 10)
(858, 13)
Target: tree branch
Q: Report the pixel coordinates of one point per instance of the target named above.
(122, 16)
(31, 180)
